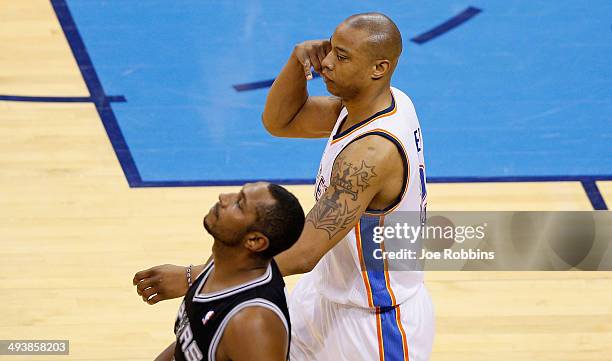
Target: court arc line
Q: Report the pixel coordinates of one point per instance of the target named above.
(261, 84)
(99, 97)
(45, 99)
(254, 85)
(447, 26)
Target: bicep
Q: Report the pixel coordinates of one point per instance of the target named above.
(354, 182)
(315, 119)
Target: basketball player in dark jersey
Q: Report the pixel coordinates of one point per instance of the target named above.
(236, 308)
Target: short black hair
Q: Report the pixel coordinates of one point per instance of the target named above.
(384, 37)
(282, 222)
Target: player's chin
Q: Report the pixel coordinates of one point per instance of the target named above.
(331, 88)
(208, 226)
(206, 221)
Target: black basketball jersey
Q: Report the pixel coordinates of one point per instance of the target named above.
(203, 317)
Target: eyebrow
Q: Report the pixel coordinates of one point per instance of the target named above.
(337, 47)
(342, 50)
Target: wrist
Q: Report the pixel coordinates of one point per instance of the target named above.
(296, 60)
(189, 275)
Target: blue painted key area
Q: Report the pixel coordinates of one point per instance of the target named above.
(513, 88)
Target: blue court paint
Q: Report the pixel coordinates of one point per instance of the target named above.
(524, 90)
(21, 98)
(101, 101)
(446, 26)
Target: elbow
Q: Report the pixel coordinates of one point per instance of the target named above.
(297, 266)
(270, 127)
(306, 265)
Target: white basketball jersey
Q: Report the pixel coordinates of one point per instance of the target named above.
(345, 274)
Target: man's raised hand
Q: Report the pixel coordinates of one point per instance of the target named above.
(311, 54)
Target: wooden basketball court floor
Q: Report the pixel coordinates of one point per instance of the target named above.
(73, 233)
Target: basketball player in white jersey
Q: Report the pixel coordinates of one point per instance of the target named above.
(349, 305)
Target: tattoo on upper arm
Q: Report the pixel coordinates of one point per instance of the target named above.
(333, 213)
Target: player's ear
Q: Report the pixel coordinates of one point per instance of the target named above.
(380, 68)
(256, 241)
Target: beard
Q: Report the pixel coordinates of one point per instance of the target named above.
(207, 227)
(223, 240)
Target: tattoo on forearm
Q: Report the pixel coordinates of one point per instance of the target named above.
(333, 213)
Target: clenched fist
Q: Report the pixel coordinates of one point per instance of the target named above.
(160, 283)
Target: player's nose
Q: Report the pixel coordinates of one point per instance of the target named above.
(227, 198)
(223, 199)
(326, 64)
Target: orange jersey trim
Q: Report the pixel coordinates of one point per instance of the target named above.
(368, 122)
(364, 272)
(381, 346)
(398, 319)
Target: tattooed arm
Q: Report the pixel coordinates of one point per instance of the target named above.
(369, 172)
(361, 176)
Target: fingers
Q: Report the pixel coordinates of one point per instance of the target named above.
(311, 54)
(326, 46)
(146, 283)
(142, 274)
(151, 295)
(153, 300)
(321, 54)
(322, 50)
(307, 70)
(147, 293)
(315, 58)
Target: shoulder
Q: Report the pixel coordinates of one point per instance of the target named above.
(404, 104)
(256, 330)
(375, 148)
(401, 97)
(260, 319)
(367, 162)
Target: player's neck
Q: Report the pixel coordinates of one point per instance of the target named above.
(233, 268)
(367, 104)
